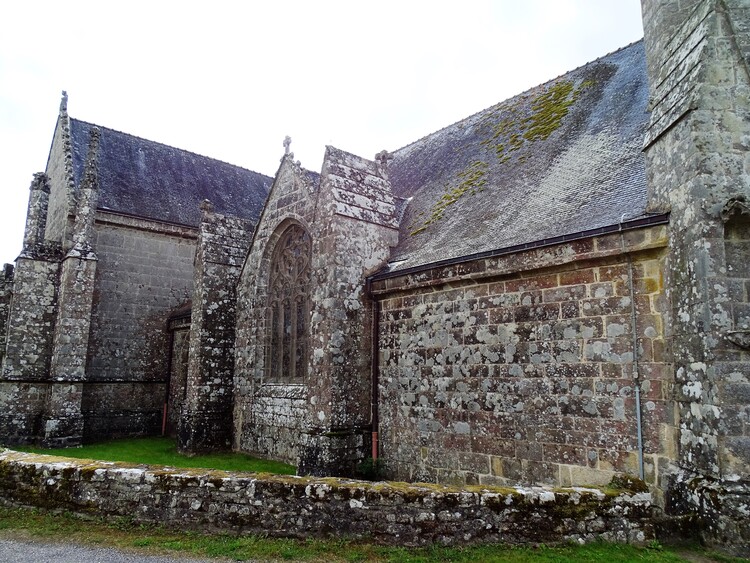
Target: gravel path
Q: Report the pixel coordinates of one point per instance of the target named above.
(26, 550)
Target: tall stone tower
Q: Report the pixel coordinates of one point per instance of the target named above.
(698, 164)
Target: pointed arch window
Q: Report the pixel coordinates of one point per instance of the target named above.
(289, 306)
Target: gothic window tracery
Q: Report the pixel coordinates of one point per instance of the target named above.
(288, 306)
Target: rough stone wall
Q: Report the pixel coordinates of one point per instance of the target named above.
(320, 508)
(206, 417)
(144, 273)
(323, 422)
(62, 201)
(523, 368)
(178, 368)
(735, 430)
(269, 416)
(6, 293)
(698, 167)
(63, 421)
(31, 319)
(25, 367)
(356, 225)
(27, 348)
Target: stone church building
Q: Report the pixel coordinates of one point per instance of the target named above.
(551, 291)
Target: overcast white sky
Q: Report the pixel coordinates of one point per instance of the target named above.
(230, 79)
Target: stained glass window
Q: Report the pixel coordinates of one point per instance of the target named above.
(288, 306)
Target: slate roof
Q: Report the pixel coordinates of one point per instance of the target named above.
(156, 181)
(561, 158)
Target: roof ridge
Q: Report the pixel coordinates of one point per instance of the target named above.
(532, 88)
(169, 146)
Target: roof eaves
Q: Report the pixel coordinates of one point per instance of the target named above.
(637, 223)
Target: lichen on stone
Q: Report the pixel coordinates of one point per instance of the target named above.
(513, 126)
(548, 109)
(471, 180)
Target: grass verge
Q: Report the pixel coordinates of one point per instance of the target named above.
(162, 451)
(124, 534)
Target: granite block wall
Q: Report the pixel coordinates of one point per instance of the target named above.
(523, 369)
(31, 320)
(206, 415)
(30, 297)
(698, 168)
(320, 419)
(62, 200)
(357, 225)
(144, 273)
(269, 413)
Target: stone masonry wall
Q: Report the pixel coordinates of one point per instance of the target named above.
(320, 421)
(269, 416)
(522, 368)
(6, 293)
(698, 167)
(356, 226)
(144, 272)
(30, 318)
(23, 385)
(206, 417)
(62, 200)
(387, 513)
(735, 430)
(63, 421)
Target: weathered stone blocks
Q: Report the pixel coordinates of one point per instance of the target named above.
(206, 410)
(349, 216)
(387, 513)
(524, 378)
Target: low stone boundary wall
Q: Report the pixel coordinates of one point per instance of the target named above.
(305, 507)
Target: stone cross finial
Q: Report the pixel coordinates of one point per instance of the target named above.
(383, 157)
(64, 102)
(287, 144)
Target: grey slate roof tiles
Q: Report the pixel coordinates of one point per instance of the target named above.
(561, 158)
(156, 181)
(558, 159)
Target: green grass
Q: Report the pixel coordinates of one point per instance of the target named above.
(124, 534)
(162, 451)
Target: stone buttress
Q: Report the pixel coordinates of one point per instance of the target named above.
(63, 424)
(356, 225)
(698, 165)
(32, 312)
(27, 346)
(206, 413)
